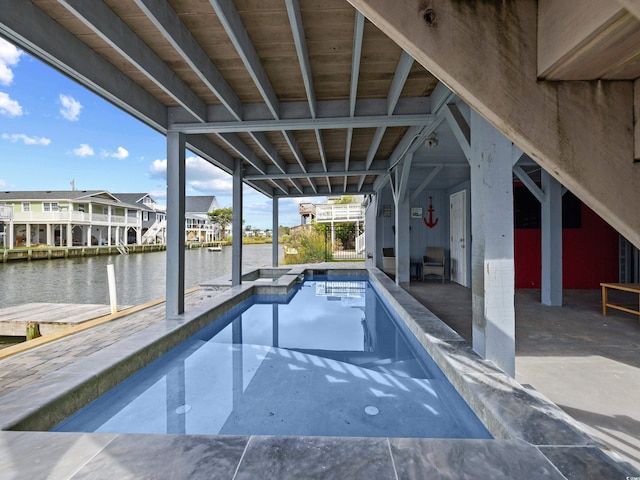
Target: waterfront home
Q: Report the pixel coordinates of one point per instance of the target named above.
(70, 218)
(198, 226)
(154, 216)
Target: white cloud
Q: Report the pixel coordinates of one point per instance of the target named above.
(202, 177)
(9, 57)
(8, 106)
(3, 183)
(70, 108)
(121, 153)
(27, 140)
(83, 150)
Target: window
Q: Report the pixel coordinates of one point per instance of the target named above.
(145, 216)
(26, 207)
(81, 207)
(50, 206)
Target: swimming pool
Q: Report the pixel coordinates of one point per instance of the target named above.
(327, 360)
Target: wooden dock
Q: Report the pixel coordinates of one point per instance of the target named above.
(52, 317)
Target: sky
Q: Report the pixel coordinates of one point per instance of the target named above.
(53, 132)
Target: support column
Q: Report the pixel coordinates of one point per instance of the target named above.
(69, 235)
(236, 228)
(370, 232)
(49, 229)
(492, 265)
(551, 281)
(88, 236)
(27, 235)
(175, 223)
(402, 243)
(274, 235)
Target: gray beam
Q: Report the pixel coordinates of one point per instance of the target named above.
(282, 176)
(35, 32)
(551, 242)
(427, 180)
(317, 170)
(232, 23)
(98, 17)
(299, 110)
(167, 21)
(527, 182)
(297, 28)
(399, 79)
(323, 190)
(243, 150)
(266, 146)
(460, 128)
(305, 124)
(175, 224)
(358, 33)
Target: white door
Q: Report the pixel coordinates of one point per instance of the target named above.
(457, 237)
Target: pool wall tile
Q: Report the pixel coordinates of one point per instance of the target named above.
(587, 462)
(311, 458)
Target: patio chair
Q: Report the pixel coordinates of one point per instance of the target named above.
(433, 262)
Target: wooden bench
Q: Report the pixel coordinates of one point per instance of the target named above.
(625, 287)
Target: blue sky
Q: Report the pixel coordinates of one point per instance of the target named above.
(54, 131)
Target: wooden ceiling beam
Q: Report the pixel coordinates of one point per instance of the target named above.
(101, 20)
(168, 23)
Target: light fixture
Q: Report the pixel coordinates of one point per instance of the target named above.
(431, 141)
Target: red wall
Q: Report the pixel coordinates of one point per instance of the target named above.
(589, 254)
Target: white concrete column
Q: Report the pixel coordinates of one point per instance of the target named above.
(175, 223)
(402, 246)
(236, 227)
(49, 230)
(274, 230)
(492, 265)
(551, 282)
(27, 235)
(88, 236)
(139, 235)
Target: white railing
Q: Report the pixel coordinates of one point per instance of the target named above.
(360, 245)
(6, 212)
(122, 248)
(76, 217)
(350, 212)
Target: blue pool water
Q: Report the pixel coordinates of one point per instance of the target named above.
(329, 360)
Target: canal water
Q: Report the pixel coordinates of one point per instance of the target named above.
(139, 277)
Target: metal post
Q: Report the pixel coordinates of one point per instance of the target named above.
(236, 228)
(274, 236)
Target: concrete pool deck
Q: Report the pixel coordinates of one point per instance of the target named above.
(533, 437)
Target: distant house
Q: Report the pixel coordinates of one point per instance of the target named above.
(67, 218)
(154, 216)
(198, 226)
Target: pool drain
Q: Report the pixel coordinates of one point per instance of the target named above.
(371, 410)
(182, 409)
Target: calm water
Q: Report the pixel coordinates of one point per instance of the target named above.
(139, 277)
(341, 364)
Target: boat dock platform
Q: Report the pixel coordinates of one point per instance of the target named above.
(52, 317)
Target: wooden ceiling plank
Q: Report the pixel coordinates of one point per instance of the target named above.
(174, 31)
(105, 23)
(232, 23)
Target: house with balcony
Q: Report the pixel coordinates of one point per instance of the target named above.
(154, 216)
(70, 218)
(198, 226)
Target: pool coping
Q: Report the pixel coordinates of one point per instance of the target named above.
(521, 420)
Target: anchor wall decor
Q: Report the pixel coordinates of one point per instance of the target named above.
(431, 223)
